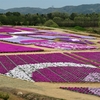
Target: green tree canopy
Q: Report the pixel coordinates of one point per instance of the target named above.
(50, 23)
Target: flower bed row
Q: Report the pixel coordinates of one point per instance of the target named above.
(75, 40)
(65, 46)
(22, 40)
(31, 62)
(88, 61)
(47, 36)
(38, 67)
(22, 33)
(26, 28)
(69, 35)
(11, 61)
(41, 58)
(35, 72)
(5, 47)
(85, 90)
(15, 29)
(8, 29)
(93, 56)
(5, 36)
(66, 74)
(19, 29)
(38, 58)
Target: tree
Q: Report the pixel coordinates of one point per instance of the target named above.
(58, 20)
(16, 13)
(51, 23)
(73, 15)
(49, 15)
(68, 23)
(9, 14)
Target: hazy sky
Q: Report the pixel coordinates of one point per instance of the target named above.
(5, 4)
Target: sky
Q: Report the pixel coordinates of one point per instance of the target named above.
(5, 4)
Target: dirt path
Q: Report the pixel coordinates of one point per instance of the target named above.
(49, 89)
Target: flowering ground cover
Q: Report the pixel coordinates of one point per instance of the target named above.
(5, 36)
(79, 36)
(21, 39)
(85, 90)
(8, 29)
(64, 45)
(84, 59)
(32, 41)
(46, 36)
(76, 40)
(5, 47)
(52, 67)
(16, 29)
(37, 67)
(70, 35)
(49, 35)
(67, 74)
(93, 56)
(59, 65)
(26, 28)
(22, 33)
(73, 40)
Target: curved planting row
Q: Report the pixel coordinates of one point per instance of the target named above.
(85, 90)
(11, 61)
(66, 74)
(37, 67)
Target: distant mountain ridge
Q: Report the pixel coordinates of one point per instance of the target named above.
(85, 8)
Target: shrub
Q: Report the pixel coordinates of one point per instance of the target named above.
(4, 96)
(51, 23)
(79, 28)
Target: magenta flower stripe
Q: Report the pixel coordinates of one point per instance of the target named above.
(84, 90)
(5, 47)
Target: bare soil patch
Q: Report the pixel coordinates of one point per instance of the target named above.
(49, 89)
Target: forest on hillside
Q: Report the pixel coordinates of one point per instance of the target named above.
(54, 19)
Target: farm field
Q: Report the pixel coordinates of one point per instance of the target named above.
(42, 61)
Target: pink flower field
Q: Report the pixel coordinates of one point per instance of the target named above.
(51, 56)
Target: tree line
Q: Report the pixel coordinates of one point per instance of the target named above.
(54, 19)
